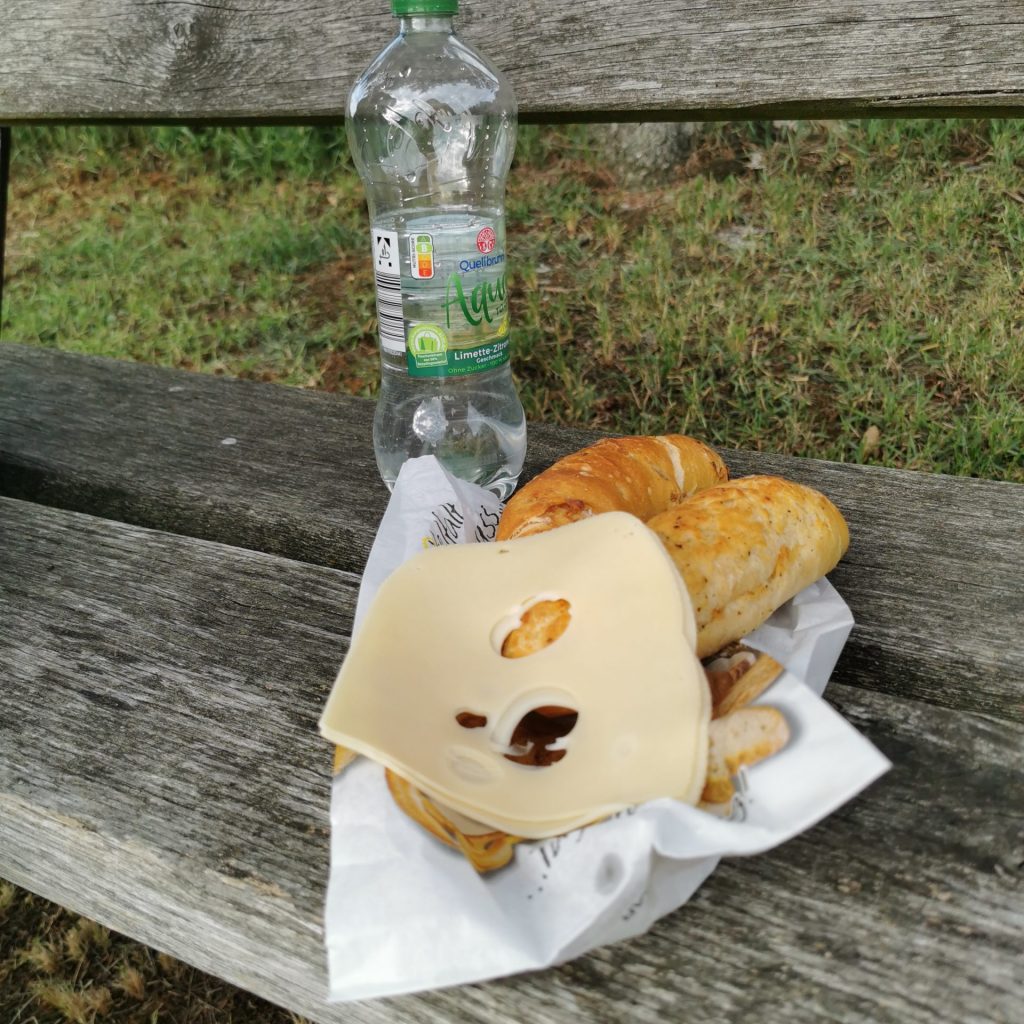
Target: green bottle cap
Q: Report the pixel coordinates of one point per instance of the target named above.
(404, 7)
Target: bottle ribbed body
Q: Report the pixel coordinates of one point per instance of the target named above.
(431, 127)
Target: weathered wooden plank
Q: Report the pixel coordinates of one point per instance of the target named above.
(295, 59)
(932, 575)
(160, 772)
(184, 453)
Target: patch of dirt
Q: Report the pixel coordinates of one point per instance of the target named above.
(352, 370)
(59, 968)
(327, 293)
(951, 389)
(715, 161)
(969, 144)
(323, 286)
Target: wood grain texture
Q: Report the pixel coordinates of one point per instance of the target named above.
(285, 471)
(160, 772)
(294, 60)
(932, 573)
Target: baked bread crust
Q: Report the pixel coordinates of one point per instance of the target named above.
(746, 547)
(639, 475)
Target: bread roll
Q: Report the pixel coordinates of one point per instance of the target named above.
(640, 475)
(746, 547)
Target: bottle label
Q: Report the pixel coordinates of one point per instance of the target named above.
(442, 297)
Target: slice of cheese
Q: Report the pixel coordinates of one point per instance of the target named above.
(429, 651)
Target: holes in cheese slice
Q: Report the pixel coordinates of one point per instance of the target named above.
(536, 624)
(533, 729)
(536, 740)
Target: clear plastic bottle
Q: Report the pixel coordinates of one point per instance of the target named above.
(432, 127)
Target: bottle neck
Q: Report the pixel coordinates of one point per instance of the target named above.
(426, 23)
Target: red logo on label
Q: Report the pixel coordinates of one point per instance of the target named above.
(486, 240)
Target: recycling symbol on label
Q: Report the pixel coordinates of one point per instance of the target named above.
(385, 245)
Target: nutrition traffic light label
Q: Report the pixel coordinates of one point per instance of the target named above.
(421, 256)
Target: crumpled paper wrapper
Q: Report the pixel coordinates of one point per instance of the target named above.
(405, 913)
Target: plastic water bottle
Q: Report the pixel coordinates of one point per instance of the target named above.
(431, 128)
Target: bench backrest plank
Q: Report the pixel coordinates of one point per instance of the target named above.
(284, 60)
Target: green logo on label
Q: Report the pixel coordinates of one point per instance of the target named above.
(487, 300)
(428, 345)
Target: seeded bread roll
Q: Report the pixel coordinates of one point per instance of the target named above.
(746, 547)
(640, 475)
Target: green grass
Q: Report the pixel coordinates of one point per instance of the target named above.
(843, 290)
(860, 279)
(148, 246)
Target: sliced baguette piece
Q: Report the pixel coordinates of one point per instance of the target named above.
(484, 848)
(343, 757)
(639, 475)
(738, 676)
(741, 738)
(417, 806)
(747, 546)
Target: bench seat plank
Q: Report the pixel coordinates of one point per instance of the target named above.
(160, 771)
(264, 60)
(933, 574)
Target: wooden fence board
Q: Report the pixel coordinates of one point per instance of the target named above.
(294, 60)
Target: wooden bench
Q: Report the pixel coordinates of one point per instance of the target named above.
(173, 608)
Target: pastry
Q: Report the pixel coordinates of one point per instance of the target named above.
(639, 475)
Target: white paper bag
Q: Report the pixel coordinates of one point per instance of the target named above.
(405, 913)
